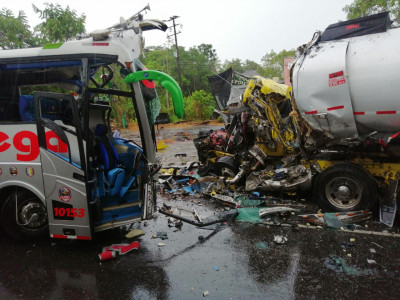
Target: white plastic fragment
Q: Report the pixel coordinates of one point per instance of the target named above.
(377, 244)
(280, 239)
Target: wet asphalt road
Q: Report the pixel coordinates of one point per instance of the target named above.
(232, 261)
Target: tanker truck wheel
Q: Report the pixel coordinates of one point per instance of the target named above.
(345, 187)
(24, 216)
(226, 166)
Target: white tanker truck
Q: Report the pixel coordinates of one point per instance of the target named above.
(346, 92)
(341, 135)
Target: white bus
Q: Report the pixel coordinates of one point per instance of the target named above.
(61, 172)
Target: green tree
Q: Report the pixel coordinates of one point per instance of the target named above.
(59, 24)
(273, 63)
(250, 65)
(210, 55)
(14, 31)
(361, 8)
(197, 63)
(235, 63)
(199, 106)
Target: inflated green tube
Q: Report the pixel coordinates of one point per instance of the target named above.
(166, 81)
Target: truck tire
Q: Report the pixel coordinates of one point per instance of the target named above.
(345, 187)
(30, 222)
(226, 166)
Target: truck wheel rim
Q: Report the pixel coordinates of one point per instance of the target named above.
(227, 172)
(32, 215)
(343, 192)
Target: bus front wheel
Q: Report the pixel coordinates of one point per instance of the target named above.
(24, 216)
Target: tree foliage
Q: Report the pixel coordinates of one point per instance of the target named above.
(362, 8)
(236, 64)
(199, 106)
(58, 24)
(14, 30)
(273, 63)
(197, 63)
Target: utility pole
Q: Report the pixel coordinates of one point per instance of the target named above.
(178, 62)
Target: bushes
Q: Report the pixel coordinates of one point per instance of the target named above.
(199, 106)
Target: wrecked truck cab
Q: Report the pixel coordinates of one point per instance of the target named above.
(341, 139)
(269, 102)
(260, 133)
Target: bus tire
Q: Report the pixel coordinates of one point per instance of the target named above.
(29, 222)
(345, 187)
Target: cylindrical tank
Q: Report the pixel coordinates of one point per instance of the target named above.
(350, 87)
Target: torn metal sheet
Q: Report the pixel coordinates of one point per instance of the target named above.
(220, 218)
(291, 179)
(387, 212)
(274, 210)
(344, 217)
(226, 200)
(388, 208)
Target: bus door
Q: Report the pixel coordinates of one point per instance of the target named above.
(63, 165)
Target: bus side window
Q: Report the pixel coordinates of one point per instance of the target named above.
(26, 108)
(9, 111)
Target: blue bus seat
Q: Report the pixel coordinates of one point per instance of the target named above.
(113, 175)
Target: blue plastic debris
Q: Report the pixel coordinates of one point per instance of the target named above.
(188, 189)
(183, 180)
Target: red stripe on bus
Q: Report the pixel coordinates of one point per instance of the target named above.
(358, 113)
(336, 107)
(100, 44)
(83, 237)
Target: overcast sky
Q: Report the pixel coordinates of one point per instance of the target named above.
(235, 28)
